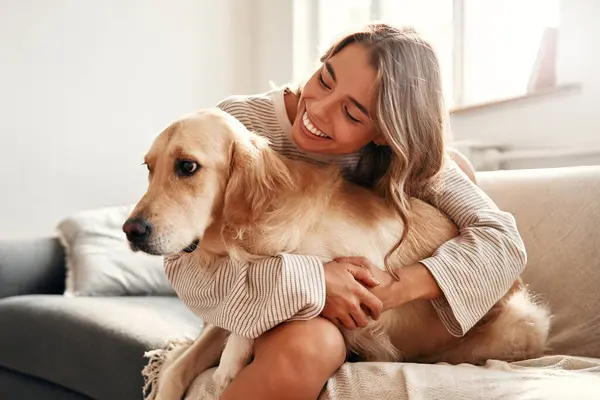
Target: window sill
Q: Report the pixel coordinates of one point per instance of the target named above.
(560, 89)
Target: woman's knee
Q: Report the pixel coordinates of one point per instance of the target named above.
(314, 345)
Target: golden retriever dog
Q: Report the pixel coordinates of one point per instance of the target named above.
(218, 189)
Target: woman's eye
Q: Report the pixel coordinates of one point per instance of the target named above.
(322, 82)
(147, 166)
(350, 117)
(186, 168)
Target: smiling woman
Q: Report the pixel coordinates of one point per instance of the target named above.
(375, 108)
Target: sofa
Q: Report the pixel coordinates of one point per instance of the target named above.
(54, 346)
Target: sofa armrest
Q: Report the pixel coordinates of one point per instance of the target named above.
(558, 215)
(31, 266)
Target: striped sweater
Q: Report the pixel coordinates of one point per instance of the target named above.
(473, 270)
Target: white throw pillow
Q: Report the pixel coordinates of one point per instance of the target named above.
(100, 262)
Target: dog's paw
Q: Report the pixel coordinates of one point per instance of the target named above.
(222, 379)
(225, 373)
(235, 357)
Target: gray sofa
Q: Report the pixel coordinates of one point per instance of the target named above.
(58, 347)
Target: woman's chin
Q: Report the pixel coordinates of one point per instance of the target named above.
(299, 139)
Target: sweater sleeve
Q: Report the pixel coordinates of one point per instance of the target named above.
(477, 268)
(249, 298)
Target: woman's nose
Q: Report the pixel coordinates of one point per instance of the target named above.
(321, 108)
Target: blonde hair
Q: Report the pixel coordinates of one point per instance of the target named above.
(407, 110)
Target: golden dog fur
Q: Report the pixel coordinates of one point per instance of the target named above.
(246, 201)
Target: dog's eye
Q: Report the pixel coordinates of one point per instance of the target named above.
(186, 168)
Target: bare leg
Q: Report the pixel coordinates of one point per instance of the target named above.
(292, 361)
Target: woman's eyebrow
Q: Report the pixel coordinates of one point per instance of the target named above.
(330, 70)
(362, 108)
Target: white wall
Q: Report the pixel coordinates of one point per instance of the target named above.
(274, 50)
(87, 85)
(563, 119)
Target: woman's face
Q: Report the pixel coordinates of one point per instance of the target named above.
(334, 110)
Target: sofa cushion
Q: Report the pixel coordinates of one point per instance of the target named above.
(94, 346)
(99, 261)
(31, 266)
(14, 385)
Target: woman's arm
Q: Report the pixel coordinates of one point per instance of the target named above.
(251, 298)
(417, 282)
(477, 268)
(467, 275)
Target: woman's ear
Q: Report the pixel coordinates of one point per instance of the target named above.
(380, 141)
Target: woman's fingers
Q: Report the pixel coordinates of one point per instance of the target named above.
(360, 317)
(364, 275)
(375, 273)
(370, 301)
(358, 261)
(347, 321)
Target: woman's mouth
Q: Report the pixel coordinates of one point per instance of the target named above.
(311, 128)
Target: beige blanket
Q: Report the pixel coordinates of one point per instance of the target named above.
(551, 377)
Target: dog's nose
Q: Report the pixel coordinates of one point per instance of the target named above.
(137, 230)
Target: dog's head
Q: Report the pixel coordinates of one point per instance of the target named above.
(189, 165)
(201, 167)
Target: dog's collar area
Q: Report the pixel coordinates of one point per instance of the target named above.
(192, 246)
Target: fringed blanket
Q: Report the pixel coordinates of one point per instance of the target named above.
(550, 377)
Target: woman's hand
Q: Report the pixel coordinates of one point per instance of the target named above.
(383, 277)
(346, 295)
(416, 283)
(387, 290)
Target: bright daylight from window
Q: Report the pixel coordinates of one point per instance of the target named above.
(488, 50)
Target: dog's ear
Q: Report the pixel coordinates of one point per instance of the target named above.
(256, 174)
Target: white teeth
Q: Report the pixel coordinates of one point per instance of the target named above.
(311, 128)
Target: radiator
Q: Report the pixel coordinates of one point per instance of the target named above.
(491, 157)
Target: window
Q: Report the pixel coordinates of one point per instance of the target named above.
(501, 42)
(488, 50)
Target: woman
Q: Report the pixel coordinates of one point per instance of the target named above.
(374, 107)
